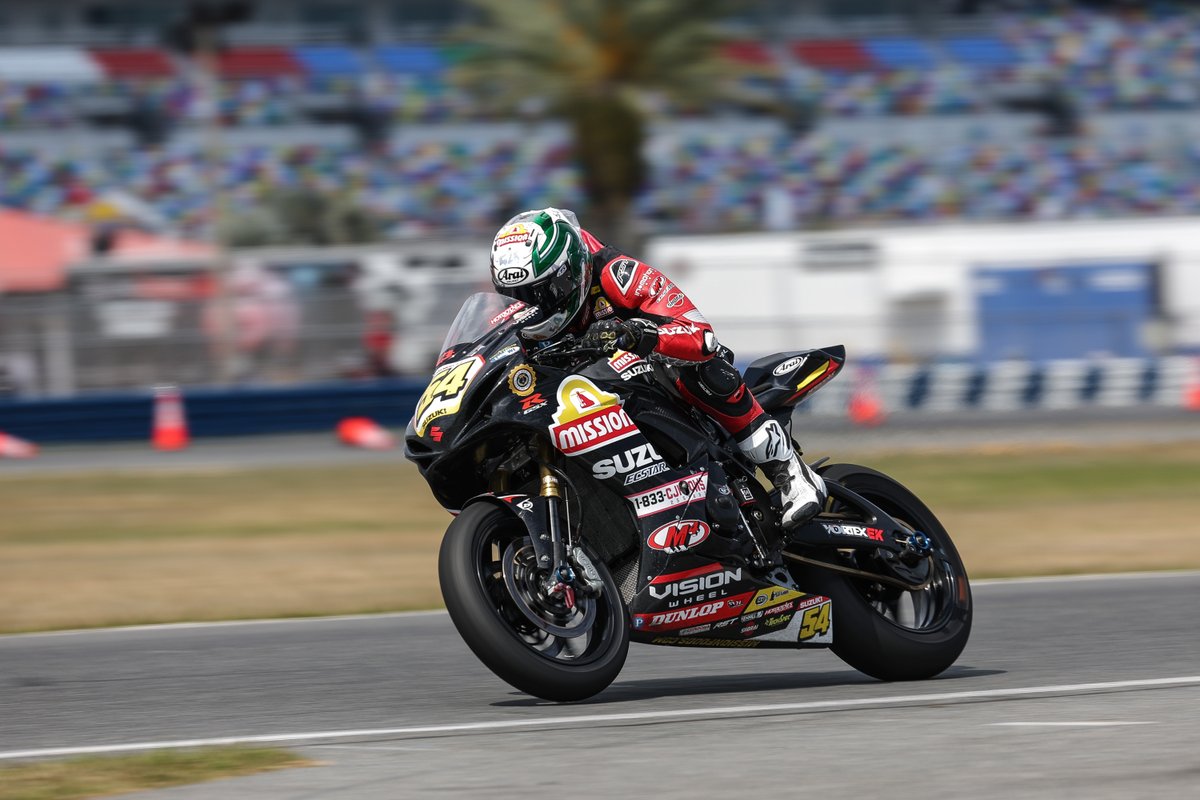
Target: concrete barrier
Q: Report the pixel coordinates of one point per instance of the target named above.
(212, 412)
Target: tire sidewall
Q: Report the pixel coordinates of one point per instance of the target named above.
(862, 637)
(490, 638)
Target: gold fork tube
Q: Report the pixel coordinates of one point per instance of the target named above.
(550, 485)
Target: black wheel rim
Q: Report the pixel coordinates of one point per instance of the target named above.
(924, 610)
(505, 568)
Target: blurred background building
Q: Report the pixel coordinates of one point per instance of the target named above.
(292, 191)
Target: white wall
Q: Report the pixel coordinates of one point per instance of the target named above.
(767, 292)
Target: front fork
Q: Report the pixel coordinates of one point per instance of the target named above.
(563, 580)
(552, 494)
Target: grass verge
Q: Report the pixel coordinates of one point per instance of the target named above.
(102, 776)
(114, 548)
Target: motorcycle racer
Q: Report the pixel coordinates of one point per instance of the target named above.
(544, 258)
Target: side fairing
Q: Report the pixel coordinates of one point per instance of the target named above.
(686, 590)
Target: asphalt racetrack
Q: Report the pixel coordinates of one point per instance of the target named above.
(1071, 687)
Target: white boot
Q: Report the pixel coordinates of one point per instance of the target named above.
(802, 491)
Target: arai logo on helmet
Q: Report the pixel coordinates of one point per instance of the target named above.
(510, 276)
(789, 366)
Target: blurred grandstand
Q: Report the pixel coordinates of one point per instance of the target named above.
(281, 124)
(992, 84)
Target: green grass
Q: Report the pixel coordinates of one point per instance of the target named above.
(93, 549)
(997, 480)
(96, 776)
(210, 504)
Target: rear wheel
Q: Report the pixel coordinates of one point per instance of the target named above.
(528, 636)
(887, 632)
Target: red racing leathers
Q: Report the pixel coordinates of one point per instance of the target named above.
(625, 288)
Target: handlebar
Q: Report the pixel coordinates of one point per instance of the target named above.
(568, 347)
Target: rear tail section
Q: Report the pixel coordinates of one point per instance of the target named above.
(784, 379)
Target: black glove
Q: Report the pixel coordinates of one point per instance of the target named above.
(603, 335)
(639, 336)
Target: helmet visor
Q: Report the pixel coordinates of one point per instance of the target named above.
(550, 293)
(558, 298)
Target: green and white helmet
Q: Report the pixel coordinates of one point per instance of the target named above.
(539, 257)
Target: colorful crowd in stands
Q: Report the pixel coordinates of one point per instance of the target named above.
(706, 184)
(699, 183)
(703, 182)
(423, 186)
(1103, 61)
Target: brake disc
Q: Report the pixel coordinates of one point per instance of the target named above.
(524, 582)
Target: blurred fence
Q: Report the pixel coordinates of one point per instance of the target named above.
(63, 345)
(1005, 386)
(311, 316)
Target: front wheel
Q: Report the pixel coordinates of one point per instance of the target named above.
(884, 631)
(497, 599)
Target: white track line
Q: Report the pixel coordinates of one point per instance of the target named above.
(177, 626)
(227, 623)
(1096, 724)
(1089, 576)
(593, 719)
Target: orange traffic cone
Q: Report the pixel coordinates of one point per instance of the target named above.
(1191, 393)
(170, 423)
(865, 407)
(1191, 400)
(365, 433)
(14, 447)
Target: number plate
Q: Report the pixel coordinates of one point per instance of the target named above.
(445, 392)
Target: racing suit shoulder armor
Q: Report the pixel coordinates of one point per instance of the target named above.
(619, 280)
(639, 290)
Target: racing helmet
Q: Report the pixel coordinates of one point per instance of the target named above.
(539, 258)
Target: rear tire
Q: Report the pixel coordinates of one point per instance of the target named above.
(502, 636)
(888, 633)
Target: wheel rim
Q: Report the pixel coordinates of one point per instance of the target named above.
(507, 573)
(929, 608)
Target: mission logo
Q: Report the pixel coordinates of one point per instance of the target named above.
(587, 417)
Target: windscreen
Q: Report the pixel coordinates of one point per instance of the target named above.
(479, 314)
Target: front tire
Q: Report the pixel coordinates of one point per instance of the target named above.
(889, 633)
(540, 654)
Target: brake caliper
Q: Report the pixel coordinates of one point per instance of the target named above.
(591, 583)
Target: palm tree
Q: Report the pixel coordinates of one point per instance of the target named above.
(594, 63)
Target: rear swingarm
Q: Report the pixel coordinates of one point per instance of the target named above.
(901, 553)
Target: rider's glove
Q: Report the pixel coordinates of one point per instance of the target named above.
(603, 335)
(639, 336)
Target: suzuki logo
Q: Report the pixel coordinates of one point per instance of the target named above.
(643, 455)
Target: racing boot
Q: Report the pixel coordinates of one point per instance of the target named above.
(802, 491)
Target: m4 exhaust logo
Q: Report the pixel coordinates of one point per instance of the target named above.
(675, 537)
(641, 462)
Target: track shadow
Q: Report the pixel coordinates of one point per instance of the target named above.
(741, 683)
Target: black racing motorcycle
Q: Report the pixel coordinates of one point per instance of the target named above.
(593, 507)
